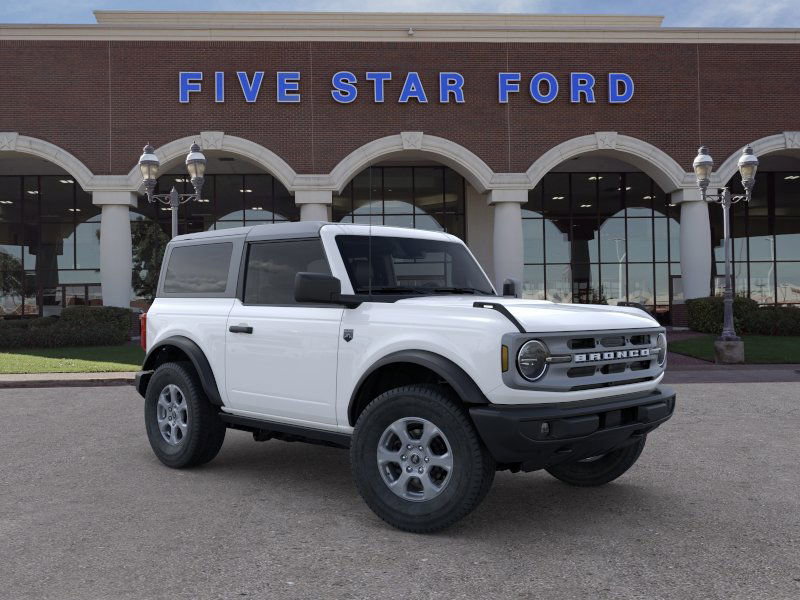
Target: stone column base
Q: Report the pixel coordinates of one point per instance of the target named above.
(728, 353)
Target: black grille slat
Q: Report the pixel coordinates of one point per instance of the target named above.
(581, 371)
(613, 342)
(581, 344)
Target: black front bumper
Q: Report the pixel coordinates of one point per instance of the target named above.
(536, 436)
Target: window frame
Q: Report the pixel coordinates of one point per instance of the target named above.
(245, 261)
(230, 285)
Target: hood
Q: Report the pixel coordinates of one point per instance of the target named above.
(542, 316)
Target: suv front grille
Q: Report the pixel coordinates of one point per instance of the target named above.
(596, 359)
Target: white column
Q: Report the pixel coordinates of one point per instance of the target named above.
(695, 243)
(314, 204)
(115, 246)
(507, 244)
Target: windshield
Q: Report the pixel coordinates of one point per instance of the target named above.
(400, 265)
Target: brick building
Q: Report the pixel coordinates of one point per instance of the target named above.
(558, 147)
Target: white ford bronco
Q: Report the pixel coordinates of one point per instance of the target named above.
(393, 343)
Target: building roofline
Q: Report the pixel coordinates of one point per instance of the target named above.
(344, 19)
(387, 27)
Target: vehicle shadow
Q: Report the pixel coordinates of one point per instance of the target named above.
(517, 504)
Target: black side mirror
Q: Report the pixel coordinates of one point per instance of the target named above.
(317, 288)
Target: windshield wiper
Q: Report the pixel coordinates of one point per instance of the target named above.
(388, 290)
(462, 290)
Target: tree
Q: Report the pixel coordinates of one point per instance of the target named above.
(12, 280)
(149, 243)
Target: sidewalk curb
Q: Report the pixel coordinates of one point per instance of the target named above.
(72, 382)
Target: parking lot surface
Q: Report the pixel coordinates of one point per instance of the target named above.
(711, 510)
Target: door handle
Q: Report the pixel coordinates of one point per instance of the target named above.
(240, 329)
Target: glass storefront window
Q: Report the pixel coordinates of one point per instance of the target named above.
(430, 198)
(788, 278)
(766, 233)
(602, 238)
(762, 282)
(533, 239)
(640, 240)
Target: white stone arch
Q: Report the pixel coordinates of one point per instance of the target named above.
(11, 141)
(781, 142)
(656, 163)
(415, 143)
(218, 140)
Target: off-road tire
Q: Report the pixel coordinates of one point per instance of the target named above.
(206, 431)
(602, 470)
(473, 467)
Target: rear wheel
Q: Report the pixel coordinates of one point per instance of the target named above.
(183, 427)
(417, 460)
(599, 470)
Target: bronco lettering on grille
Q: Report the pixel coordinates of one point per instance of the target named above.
(598, 356)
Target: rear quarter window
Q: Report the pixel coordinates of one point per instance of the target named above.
(198, 269)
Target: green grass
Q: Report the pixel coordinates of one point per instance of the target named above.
(91, 359)
(758, 349)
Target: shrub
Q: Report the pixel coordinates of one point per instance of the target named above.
(77, 326)
(783, 320)
(706, 315)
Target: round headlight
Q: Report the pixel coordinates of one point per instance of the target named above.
(532, 360)
(661, 349)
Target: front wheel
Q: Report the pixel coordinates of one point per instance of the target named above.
(599, 470)
(417, 460)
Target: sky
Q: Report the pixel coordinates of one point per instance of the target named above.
(678, 13)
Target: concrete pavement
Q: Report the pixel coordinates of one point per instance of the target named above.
(711, 510)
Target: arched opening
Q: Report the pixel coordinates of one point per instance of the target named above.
(597, 229)
(236, 192)
(417, 194)
(417, 181)
(765, 233)
(49, 238)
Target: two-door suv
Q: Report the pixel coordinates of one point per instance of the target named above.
(393, 343)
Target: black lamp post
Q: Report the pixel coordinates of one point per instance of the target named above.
(195, 164)
(703, 165)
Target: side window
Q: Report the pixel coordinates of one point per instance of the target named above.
(272, 266)
(198, 269)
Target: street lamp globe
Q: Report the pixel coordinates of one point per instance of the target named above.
(748, 164)
(196, 162)
(149, 163)
(703, 165)
(196, 165)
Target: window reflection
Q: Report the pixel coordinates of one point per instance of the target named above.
(49, 239)
(766, 234)
(601, 238)
(430, 198)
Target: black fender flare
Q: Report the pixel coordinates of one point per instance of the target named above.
(198, 359)
(458, 379)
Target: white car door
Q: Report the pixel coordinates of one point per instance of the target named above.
(281, 357)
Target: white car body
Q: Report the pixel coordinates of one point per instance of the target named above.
(297, 368)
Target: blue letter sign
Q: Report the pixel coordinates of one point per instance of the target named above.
(542, 86)
(188, 81)
(250, 90)
(536, 88)
(581, 83)
(506, 83)
(412, 88)
(378, 77)
(288, 86)
(615, 80)
(344, 90)
(451, 83)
